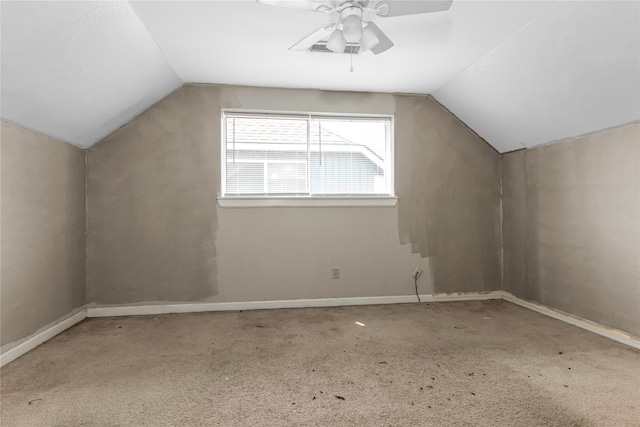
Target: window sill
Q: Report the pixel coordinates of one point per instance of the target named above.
(262, 202)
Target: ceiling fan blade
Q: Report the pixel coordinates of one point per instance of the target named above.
(316, 36)
(390, 8)
(385, 42)
(313, 5)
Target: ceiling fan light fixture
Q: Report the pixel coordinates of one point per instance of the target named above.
(369, 39)
(352, 28)
(336, 42)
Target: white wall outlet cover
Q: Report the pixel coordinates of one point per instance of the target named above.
(417, 273)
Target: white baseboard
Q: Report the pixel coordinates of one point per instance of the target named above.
(35, 340)
(138, 310)
(461, 296)
(596, 328)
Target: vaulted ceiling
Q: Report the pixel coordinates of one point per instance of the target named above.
(519, 73)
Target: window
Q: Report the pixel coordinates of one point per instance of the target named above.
(294, 156)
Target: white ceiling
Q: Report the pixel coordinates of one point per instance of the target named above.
(517, 72)
(78, 70)
(244, 42)
(574, 70)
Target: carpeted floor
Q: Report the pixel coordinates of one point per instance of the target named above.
(445, 364)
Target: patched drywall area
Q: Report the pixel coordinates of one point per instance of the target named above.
(156, 232)
(288, 253)
(572, 226)
(43, 232)
(151, 220)
(448, 184)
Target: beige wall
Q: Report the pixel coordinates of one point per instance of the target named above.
(448, 184)
(43, 232)
(572, 226)
(156, 233)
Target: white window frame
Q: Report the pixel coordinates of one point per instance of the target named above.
(307, 200)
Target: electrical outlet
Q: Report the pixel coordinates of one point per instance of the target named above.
(417, 273)
(335, 273)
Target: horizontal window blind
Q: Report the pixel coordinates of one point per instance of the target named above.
(305, 155)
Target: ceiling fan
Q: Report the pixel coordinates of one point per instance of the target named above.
(351, 22)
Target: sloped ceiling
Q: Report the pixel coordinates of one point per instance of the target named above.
(519, 73)
(78, 70)
(572, 71)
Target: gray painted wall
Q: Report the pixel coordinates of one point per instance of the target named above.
(570, 230)
(572, 226)
(448, 184)
(43, 232)
(156, 233)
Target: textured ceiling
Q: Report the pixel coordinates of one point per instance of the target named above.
(574, 70)
(78, 70)
(517, 72)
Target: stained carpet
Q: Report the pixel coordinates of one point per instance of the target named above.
(445, 364)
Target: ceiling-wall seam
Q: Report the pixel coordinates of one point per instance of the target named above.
(166, 59)
(498, 47)
(124, 125)
(4, 119)
(571, 138)
(465, 125)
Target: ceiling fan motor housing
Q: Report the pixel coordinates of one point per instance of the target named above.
(351, 19)
(351, 10)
